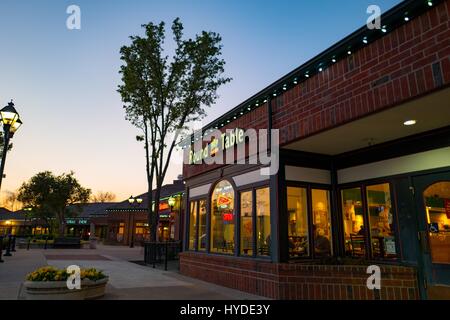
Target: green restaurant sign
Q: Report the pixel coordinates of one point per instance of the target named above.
(77, 221)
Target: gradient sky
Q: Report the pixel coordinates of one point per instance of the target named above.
(64, 81)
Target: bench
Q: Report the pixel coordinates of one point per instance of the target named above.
(67, 243)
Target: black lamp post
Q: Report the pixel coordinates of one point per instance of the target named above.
(11, 123)
(134, 202)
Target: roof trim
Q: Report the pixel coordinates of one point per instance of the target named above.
(391, 19)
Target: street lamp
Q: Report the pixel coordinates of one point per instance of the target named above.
(171, 202)
(11, 123)
(134, 202)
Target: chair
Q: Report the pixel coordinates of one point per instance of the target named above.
(357, 243)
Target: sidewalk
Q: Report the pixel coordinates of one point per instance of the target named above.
(127, 280)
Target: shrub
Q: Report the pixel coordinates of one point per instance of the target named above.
(53, 274)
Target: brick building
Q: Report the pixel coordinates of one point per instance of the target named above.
(364, 173)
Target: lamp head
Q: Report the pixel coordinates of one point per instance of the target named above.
(171, 201)
(9, 114)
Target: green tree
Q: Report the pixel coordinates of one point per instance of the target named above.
(162, 96)
(49, 196)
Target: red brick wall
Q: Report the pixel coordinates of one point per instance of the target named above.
(256, 119)
(341, 93)
(299, 281)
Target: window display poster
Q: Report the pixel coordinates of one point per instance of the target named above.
(447, 207)
(389, 246)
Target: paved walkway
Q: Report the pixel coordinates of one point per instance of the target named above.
(127, 280)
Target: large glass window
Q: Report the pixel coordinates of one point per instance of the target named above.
(381, 221)
(321, 222)
(247, 223)
(298, 222)
(353, 220)
(222, 218)
(193, 226)
(263, 240)
(202, 226)
(437, 201)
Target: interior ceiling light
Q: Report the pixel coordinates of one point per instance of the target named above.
(409, 122)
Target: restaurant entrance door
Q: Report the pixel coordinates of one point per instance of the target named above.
(432, 194)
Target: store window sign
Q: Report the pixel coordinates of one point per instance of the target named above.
(223, 201)
(75, 221)
(447, 207)
(227, 217)
(163, 206)
(227, 141)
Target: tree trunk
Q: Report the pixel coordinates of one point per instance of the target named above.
(156, 213)
(61, 228)
(61, 224)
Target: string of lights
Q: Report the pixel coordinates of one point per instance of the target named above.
(393, 19)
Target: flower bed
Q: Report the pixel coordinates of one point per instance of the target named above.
(49, 283)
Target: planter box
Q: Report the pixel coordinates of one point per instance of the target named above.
(57, 290)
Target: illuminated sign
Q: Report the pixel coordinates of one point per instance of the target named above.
(163, 206)
(223, 201)
(228, 140)
(227, 217)
(77, 221)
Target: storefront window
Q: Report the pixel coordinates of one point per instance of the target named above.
(202, 226)
(193, 226)
(381, 221)
(222, 218)
(263, 221)
(246, 223)
(298, 222)
(321, 223)
(353, 218)
(437, 201)
(142, 231)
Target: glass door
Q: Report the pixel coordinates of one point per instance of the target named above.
(432, 193)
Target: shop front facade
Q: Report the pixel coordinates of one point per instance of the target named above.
(127, 221)
(363, 176)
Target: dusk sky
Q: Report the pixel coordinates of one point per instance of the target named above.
(64, 81)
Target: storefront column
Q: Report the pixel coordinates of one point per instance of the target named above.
(185, 226)
(283, 245)
(92, 238)
(276, 215)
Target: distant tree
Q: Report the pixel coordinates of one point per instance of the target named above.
(10, 200)
(49, 196)
(162, 96)
(103, 197)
